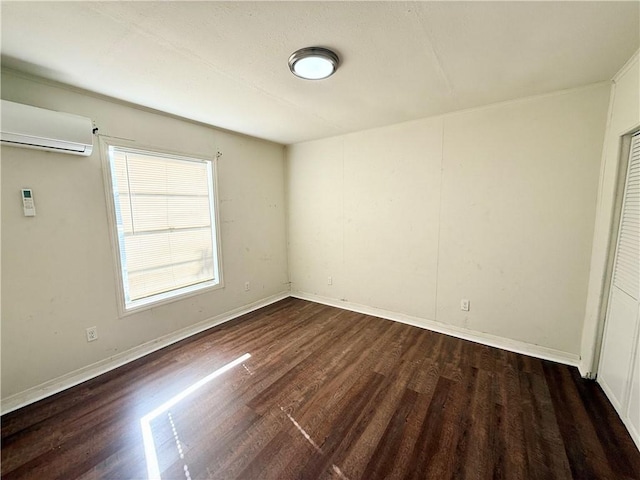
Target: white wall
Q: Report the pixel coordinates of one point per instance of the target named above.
(344, 197)
(495, 205)
(624, 117)
(58, 275)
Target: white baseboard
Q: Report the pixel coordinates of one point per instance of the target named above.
(76, 377)
(585, 371)
(83, 374)
(516, 346)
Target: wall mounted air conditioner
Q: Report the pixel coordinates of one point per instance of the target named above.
(33, 127)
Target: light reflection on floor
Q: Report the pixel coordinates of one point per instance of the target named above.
(304, 433)
(176, 437)
(153, 469)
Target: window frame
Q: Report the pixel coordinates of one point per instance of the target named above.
(172, 295)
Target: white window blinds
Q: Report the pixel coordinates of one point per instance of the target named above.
(165, 222)
(627, 265)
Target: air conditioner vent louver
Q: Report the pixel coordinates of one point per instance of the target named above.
(32, 127)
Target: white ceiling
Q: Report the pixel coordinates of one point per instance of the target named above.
(225, 63)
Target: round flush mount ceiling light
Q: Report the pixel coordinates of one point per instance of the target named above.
(313, 63)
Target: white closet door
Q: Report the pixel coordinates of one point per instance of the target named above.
(619, 370)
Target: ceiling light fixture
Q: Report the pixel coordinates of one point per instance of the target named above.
(313, 63)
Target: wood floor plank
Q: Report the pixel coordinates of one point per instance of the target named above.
(427, 445)
(542, 434)
(510, 420)
(326, 394)
(477, 428)
(360, 453)
(379, 465)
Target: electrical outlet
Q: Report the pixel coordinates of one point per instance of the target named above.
(92, 334)
(329, 281)
(464, 305)
(247, 286)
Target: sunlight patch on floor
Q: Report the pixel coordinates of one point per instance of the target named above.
(153, 469)
(304, 433)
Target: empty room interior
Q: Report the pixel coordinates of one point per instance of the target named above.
(333, 240)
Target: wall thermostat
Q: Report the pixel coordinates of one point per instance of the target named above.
(28, 205)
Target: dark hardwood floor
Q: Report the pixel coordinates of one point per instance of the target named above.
(326, 393)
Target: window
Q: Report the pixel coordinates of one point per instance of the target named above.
(164, 219)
